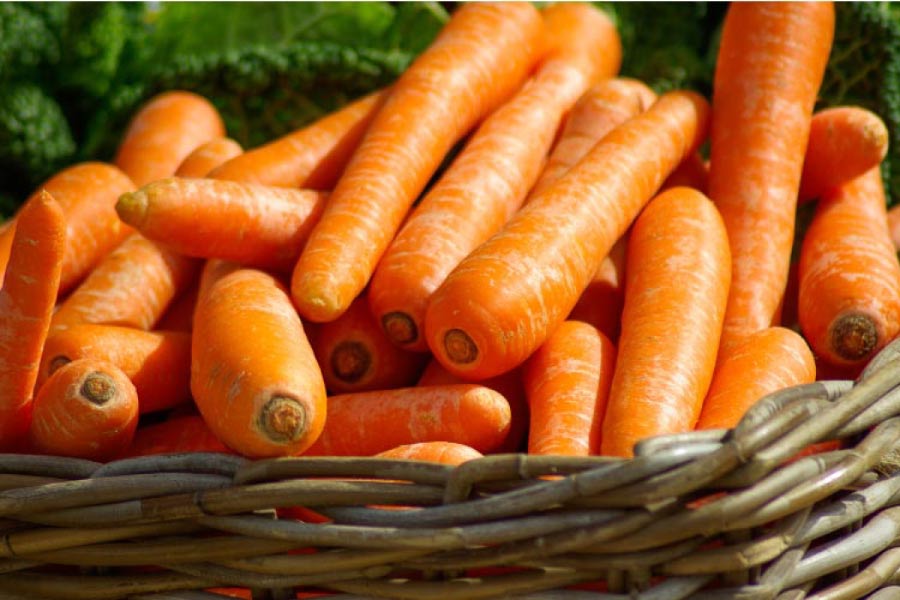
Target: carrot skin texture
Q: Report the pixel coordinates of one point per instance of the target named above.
(849, 299)
(481, 56)
(768, 72)
(445, 453)
(26, 305)
(259, 226)
(206, 157)
(507, 296)
(670, 333)
(164, 131)
(253, 373)
(567, 384)
(182, 434)
(763, 362)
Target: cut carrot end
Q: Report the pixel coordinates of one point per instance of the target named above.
(350, 361)
(57, 363)
(400, 328)
(283, 419)
(132, 207)
(98, 388)
(459, 347)
(853, 336)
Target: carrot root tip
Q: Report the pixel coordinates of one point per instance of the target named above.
(459, 347)
(853, 336)
(400, 328)
(283, 419)
(57, 363)
(98, 388)
(350, 361)
(132, 207)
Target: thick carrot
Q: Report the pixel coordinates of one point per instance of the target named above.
(366, 423)
(763, 362)
(844, 143)
(482, 55)
(849, 301)
(312, 157)
(206, 157)
(356, 356)
(87, 194)
(254, 376)
(567, 383)
(132, 286)
(491, 177)
(508, 295)
(174, 436)
(26, 304)
(87, 409)
(165, 130)
(255, 225)
(676, 289)
(768, 71)
(158, 362)
(447, 453)
(600, 304)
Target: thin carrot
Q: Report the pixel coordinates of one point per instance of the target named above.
(26, 304)
(255, 225)
(312, 157)
(676, 290)
(508, 295)
(254, 376)
(844, 143)
(480, 57)
(849, 301)
(567, 383)
(132, 287)
(600, 304)
(163, 132)
(764, 90)
(180, 314)
(158, 363)
(490, 178)
(763, 362)
(447, 453)
(366, 423)
(174, 436)
(206, 157)
(86, 409)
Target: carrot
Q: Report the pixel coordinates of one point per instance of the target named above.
(87, 409)
(355, 355)
(158, 363)
(259, 226)
(180, 314)
(206, 157)
(490, 179)
(844, 143)
(849, 300)
(87, 194)
(600, 304)
(692, 172)
(764, 90)
(893, 217)
(447, 453)
(164, 132)
(508, 295)
(26, 304)
(253, 373)
(482, 55)
(174, 436)
(312, 157)
(567, 383)
(132, 286)
(676, 288)
(763, 362)
(366, 423)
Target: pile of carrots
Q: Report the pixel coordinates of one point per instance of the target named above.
(581, 275)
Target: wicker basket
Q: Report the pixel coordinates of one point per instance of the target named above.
(715, 514)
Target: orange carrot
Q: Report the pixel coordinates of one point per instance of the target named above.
(174, 436)
(849, 301)
(366, 423)
(180, 314)
(764, 89)
(508, 295)
(355, 355)
(482, 55)
(447, 453)
(844, 143)
(26, 304)
(676, 289)
(158, 363)
(692, 172)
(763, 362)
(600, 304)
(491, 177)
(255, 225)
(164, 132)
(206, 157)
(312, 157)
(87, 409)
(893, 216)
(254, 376)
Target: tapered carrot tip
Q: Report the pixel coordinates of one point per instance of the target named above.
(132, 207)
(459, 347)
(853, 336)
(283, 419)
(400, 328)
(350, 361)
(98, 388)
